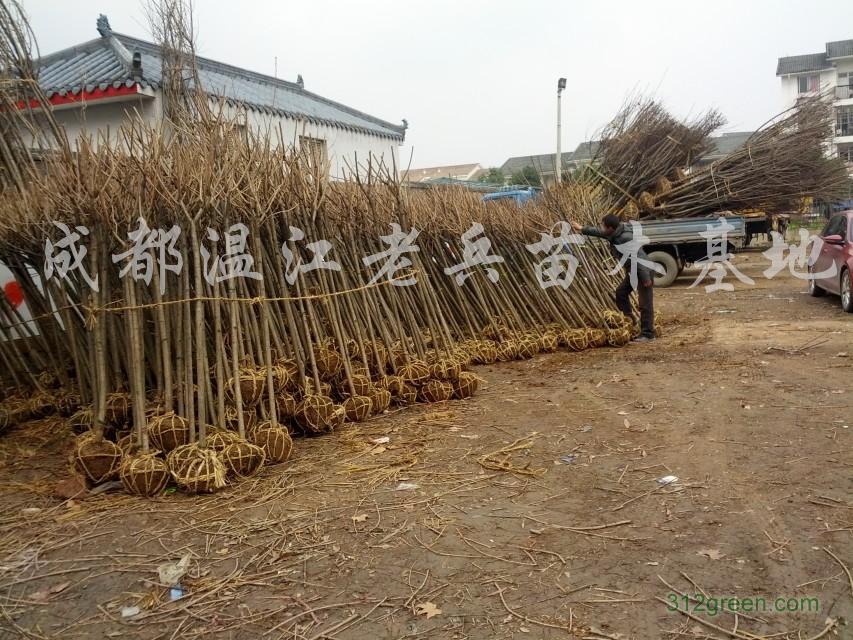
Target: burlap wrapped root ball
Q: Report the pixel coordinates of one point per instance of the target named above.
(446, 369)
(466, 385)
(253, 386)
(380, 399)
(618, 337)
(117, 409)
(168, 431)
(485, 352)
(243, 459)
(361, 385)
(435, 391)
(281, 378)
(596, 337)
(358, 408)
(47, 380)
(144, 474)
(219, 439)
(129, 444)
(196, 470)
(288, 365)
(96, 458)
(275, 443)
(548, 342)
(393, 384)
(415, 372)
(615, 319)
(527, 348)
(285, 405)
(408, 395)
(315, 414)
(507, 350)
(329, 362)
(577, 339)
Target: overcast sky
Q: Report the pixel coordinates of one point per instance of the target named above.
(477, 80)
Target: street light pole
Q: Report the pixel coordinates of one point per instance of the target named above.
(558, 160)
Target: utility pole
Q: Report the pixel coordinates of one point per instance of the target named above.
(558, 160)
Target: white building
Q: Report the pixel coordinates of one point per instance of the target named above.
(453, 172)
(831, 71)
(98, 85)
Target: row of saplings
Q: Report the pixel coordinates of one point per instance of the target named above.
(301, 408)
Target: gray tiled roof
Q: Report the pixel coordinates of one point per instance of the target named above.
(725, 144)
(800, 64)
(839, 49)
(543, 163)
(104, 63)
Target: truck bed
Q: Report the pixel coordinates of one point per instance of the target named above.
(688, 229)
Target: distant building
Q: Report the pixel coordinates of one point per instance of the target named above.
(544, 163)
(454, 172)
(724, 145)
(98, 85)
(830, 70)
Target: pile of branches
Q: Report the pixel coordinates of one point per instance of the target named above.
(644, 149)
(201, 374)
(647, 162)
(196, 296)
(779, 166)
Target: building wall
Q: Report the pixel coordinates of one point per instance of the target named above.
(345, 149)
(102, 122)
(790, 90)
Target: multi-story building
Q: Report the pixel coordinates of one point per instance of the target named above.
(829, 71)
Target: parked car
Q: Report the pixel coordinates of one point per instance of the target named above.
(837, 249)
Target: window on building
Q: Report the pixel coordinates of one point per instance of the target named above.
(809, 84)
(844, 90)
(844, 121)
(845, 152)
(315, 152)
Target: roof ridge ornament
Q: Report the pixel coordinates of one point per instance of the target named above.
(104, 27)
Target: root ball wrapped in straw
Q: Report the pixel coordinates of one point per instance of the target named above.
(416, 372)
(314, 413)
(168, 431)
(275, 442)
(380, 399)
(435, 391)
(252, 386)
(446, 369)
(243, 459)
(117, 408)
(358, 408)
(197, 470)
(96, 458)
(466, 385)
(144, 474)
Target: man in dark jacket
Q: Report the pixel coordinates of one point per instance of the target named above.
(638, 274)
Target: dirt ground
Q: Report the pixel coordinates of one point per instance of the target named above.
(746, 399)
